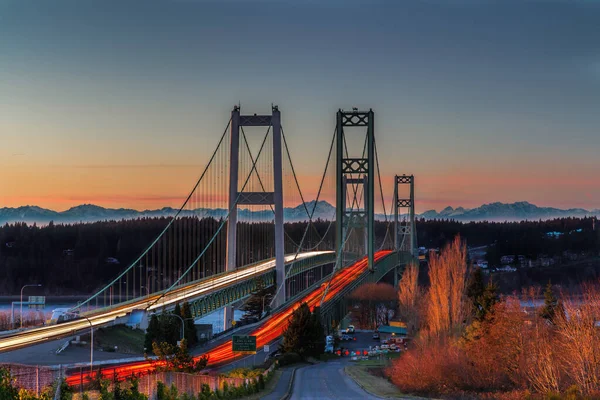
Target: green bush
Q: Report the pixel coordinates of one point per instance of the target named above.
(105, 394)
(162, 393)
(289, 358)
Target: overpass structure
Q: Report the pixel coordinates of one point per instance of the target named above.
(206, 253)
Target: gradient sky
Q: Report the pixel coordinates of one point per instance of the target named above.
(119, 103)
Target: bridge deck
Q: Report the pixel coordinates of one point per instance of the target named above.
(105, 316)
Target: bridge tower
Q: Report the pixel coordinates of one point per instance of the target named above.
(274, 198)
(404, 231)
(347, 170)
(405, 234)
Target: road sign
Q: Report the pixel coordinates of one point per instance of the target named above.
(266, 348)
(233, 322)
(244, 343)
(37, 301)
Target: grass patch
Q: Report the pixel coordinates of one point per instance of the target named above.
(269, 387)
(127, 340)
(373, 384)
(328, 356)
(374, 362)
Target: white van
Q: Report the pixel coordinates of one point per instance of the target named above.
(61, 315)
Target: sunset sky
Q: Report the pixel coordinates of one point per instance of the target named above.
(120, 103)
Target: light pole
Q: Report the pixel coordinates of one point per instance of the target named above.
(21, 314)
(91, 339)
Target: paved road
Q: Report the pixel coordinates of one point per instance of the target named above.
(45, 353)
(326, 381)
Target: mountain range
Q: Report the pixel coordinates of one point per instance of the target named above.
(325, 211)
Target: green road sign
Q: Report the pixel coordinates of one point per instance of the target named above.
(244, 343)
(37, 302)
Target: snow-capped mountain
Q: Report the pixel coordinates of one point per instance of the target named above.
(506, 212)
(323, 210)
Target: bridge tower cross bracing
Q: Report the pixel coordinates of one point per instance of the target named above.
(355, 166)
(274, 198)
(405, 233)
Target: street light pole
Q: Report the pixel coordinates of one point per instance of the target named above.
(91, 339)
(182, 325)
(21, 314)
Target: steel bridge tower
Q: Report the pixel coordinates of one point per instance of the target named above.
(274, 198)
(405, 233)
(364, 167)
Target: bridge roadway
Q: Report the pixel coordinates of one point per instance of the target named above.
(271, 330)
(106, 316)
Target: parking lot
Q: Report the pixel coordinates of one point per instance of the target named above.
(361, 344)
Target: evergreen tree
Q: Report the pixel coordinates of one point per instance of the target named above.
(317, 333)
(253, 308)
(483, 297)
(487, 301)
(170, 329)
(552, 307)
(152, 333)
(190, 327)
(304, 334)
(475, 288)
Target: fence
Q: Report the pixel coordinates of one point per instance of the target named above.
(191, 384)
(32, 377)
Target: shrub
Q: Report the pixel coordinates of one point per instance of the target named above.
(289, 358)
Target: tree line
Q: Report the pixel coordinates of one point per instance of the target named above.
(79, 259)
(472, 342)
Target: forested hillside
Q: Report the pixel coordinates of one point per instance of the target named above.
(80, 258)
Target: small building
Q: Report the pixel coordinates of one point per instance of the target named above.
(204, 332)
(386, 332)
(507, 259)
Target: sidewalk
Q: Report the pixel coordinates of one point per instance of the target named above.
(284, 385)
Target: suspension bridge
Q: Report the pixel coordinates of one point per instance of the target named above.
(246, 223)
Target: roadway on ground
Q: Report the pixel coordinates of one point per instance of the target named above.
(107, 316)
(327, 380)
(271, 330)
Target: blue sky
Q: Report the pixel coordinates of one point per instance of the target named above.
(482, 100)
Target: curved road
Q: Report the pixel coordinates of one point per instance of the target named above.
(326, 381)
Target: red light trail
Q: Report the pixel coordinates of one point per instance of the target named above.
(265, 334)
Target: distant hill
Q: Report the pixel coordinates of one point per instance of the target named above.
(325, 211)
(518, 211)
(93, 213)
